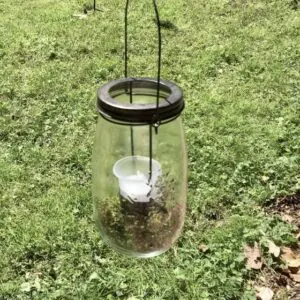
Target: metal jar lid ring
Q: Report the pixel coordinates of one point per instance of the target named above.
(170, 105)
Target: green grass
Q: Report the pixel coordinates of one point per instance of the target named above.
(238, 63)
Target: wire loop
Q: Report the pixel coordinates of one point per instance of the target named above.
(159, 52)
(156, 121)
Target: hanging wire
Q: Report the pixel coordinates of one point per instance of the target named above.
(159, 54)
(150, 153)
(126, 73)
(95, 7)
(159, 58)
(131, 127)
(126, 39)
(155, 122)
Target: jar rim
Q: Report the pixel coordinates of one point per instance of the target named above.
(169, 108)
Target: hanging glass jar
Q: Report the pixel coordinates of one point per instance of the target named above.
(139, 163)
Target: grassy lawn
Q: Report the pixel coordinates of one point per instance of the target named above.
(238, 63)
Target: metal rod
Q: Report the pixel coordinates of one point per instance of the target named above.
(156, 120)
(159, 56)
(95, 7)
(150, 151)
(131, 127)
(158, 86)
(126, 55)
(126, 39)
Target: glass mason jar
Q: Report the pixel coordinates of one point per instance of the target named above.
(139, 166)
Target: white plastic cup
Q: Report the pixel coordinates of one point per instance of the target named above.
(133, 175)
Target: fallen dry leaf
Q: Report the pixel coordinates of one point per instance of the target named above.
(253, 255)
(80, 16)
(220, 223)
(287, 218)
(265, 178)
(295, 277)
(265, 293)
(291, 257)
(203, 247)
(293, 270)
(273, 249)
(262, 279)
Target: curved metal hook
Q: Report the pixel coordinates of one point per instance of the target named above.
(156, 120)
(159, 46)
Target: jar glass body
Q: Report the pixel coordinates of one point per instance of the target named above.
(139, 214)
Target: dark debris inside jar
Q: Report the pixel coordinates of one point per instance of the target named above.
(143, 226)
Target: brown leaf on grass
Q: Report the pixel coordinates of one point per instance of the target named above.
(295, 277)
(80, 16)
(273, 249)
(203, 247)
(293, 270)
(253, 256)
(264, 293)
(291, 257)
(287, 218)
